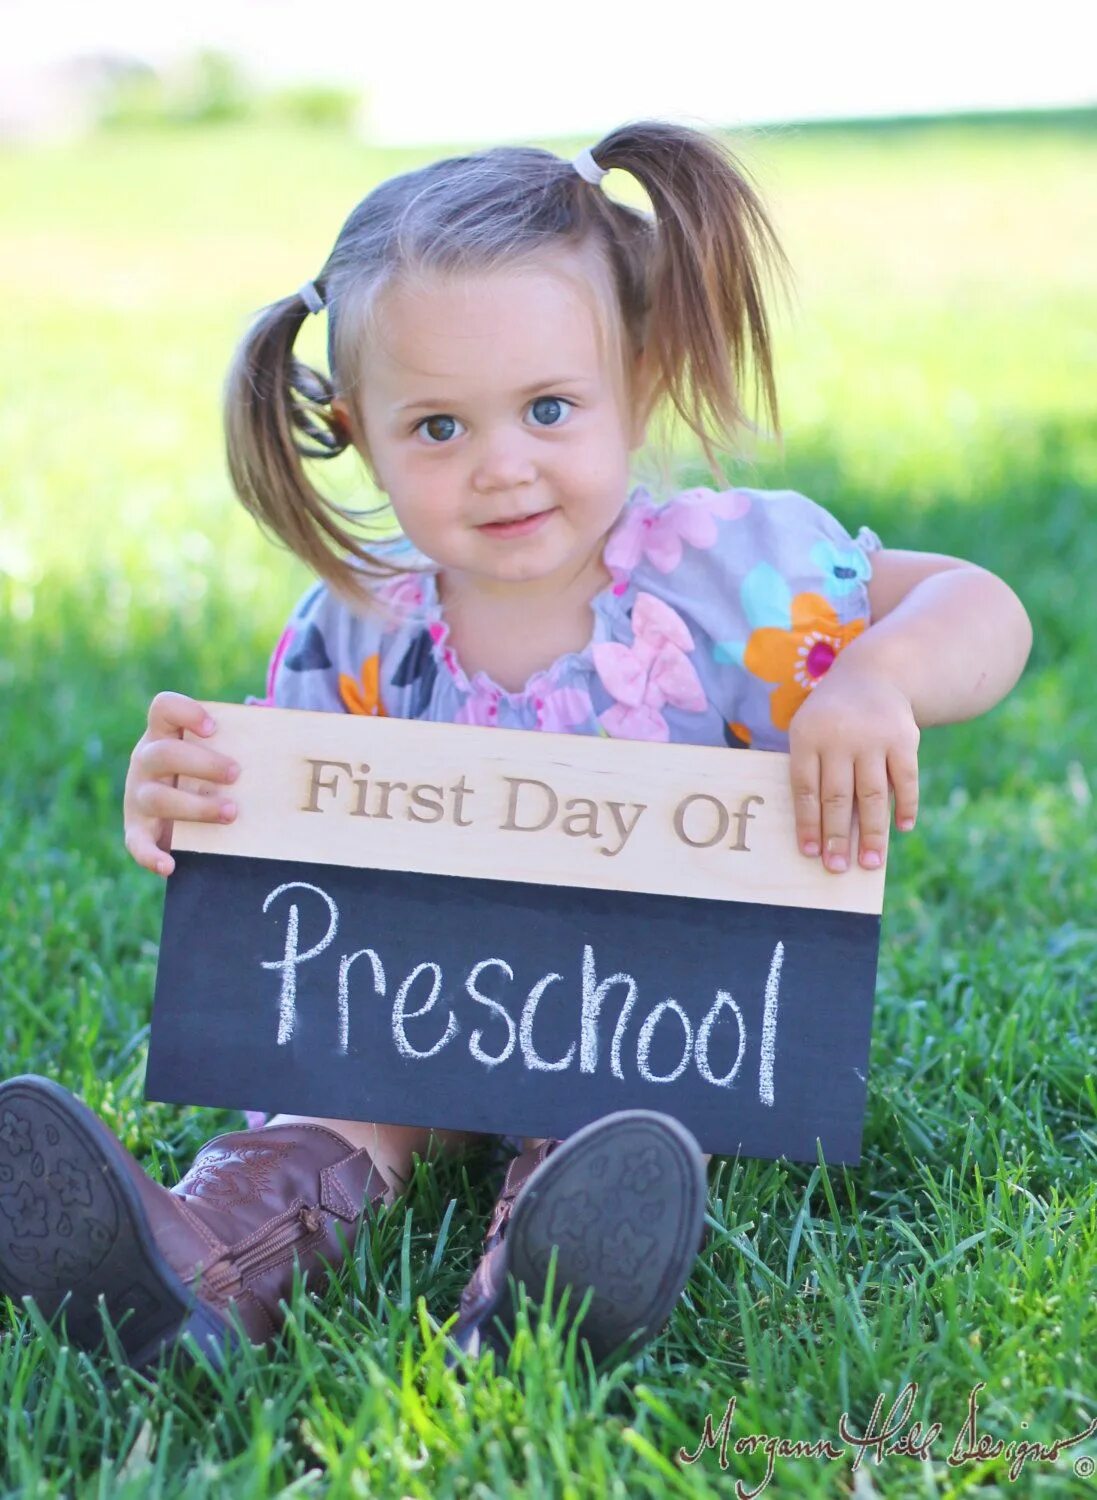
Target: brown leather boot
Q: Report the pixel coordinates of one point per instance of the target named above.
(622, 1201)
(78, 1215)
(482, 1298)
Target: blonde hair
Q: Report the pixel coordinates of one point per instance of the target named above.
(688, 282)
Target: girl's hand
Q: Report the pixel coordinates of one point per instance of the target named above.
(152, 799)
(854, 732)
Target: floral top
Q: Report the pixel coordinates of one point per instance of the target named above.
(724, 610)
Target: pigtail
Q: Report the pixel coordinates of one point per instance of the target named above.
(270, 397)
(704, 268)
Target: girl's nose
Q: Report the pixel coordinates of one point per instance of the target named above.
(503, 462)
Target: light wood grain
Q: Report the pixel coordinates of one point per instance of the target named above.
(354, 822)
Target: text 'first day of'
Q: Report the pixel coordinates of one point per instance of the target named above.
(531, 805)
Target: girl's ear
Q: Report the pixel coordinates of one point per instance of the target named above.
(341, 413)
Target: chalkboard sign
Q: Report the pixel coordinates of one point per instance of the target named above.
(512, 932)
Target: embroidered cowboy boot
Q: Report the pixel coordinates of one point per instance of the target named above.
(78, 1215)
(623, 1202)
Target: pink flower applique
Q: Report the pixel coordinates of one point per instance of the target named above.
(481, 706)
(651, 673)
(272, 670)
(658, 531)
(404, 592)
(562, 709)
(439, 634)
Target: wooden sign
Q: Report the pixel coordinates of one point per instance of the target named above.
(514, 932)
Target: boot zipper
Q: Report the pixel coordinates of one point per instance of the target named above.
(226, 1276)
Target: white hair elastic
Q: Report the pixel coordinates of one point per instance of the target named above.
(311, 297)
(588, 168)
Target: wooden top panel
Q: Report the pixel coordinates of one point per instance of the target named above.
(553, 809)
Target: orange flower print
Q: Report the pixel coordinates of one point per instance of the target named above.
(364, 697)
(796, 658)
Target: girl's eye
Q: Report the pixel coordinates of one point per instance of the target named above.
(554, 404)
(432, 424)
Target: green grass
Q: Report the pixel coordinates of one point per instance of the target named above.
(937, 379)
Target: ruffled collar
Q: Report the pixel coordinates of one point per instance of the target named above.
(414, 599)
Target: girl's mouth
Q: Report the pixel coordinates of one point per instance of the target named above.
(523, 526)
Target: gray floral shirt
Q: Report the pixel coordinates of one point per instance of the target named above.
(724, 611)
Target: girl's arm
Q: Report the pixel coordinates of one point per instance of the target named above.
(947, 641)
(952, 636)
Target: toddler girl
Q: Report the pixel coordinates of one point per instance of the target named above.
(500, 333)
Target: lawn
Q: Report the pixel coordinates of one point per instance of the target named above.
(937, 374)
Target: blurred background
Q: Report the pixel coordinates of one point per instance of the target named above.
(165, 171)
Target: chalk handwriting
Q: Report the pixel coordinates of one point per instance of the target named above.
(423, 1030)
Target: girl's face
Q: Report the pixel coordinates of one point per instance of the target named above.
(496, 424)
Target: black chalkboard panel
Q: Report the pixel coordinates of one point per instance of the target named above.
(508, 1007)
